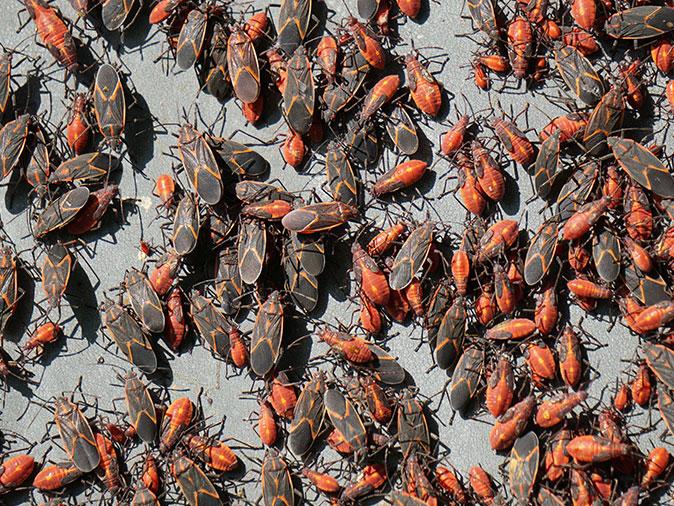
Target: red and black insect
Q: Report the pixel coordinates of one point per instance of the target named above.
(76, 435)
(129, 337)
(13, 138)
(109, 105)
(200, 164)
(186, 223)
(195, 486)
(212, 325)
(243, 66)
(267, 335)
(140, 407)
(277, 485)
(144, 300)
(54, 33)
(299, 95)
(523, 466)
(345, 419)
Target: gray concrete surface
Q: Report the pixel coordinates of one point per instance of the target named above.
(116, 247)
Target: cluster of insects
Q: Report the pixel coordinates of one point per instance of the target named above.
(241, 256)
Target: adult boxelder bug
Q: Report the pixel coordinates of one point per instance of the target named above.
(243, 66)
(466, 378)
(61, 211)
(299, 94)
(191, 39)
(211, 324)
(318, 217)
(194, 484)
(90, 168)
(277, 485)
(56, 271)
(144, 300)
(345, 419)
(109, 105)
(412, 427)
(13, 137)
(186, 223)
(523, 466)
(642, 22)
(411, 256)
(293, 24)
(129, 337)
(140, 406)
(308, 417)
(76, 435)
(642, 166)
(267, 335)
(200, 164)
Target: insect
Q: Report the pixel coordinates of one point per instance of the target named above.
(56, 271)
(13, 137)
(642, 22)
(129, 337)
(413, 435)
(481, 483)
(497, 239)
(605, 118)
(308, 416)
(116, 13)
(299, 93)
(380, 94)
(401, 176)
(14, 471)
(318, 217)
(211, 324)
(514, 141)
(541, 252)
(56, 476)
(87, 168)
(465, 378)
(520, 45)
(267, 335)
(200, 164)
(484, 17)
(282, 397)
(195, 486)
(595, 449)
(61, 211)
(523, 466)
(354, 349)
(411, 256)
(140, 407)
(176, 420)
(144, 300)
(76, 435)
(642, 166)
(511, 424)
(340, 175)
(109, 105)
(345, 418)
(191, 39)
(367, 44)
(293, 24)
(552, 412)
(277, 486)
(54, 33)
(186, 225)
(216, 454)
(108, 469)
(450, 334)
(78, 128)
(500, 388)
(243, 66)
(322, 481)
